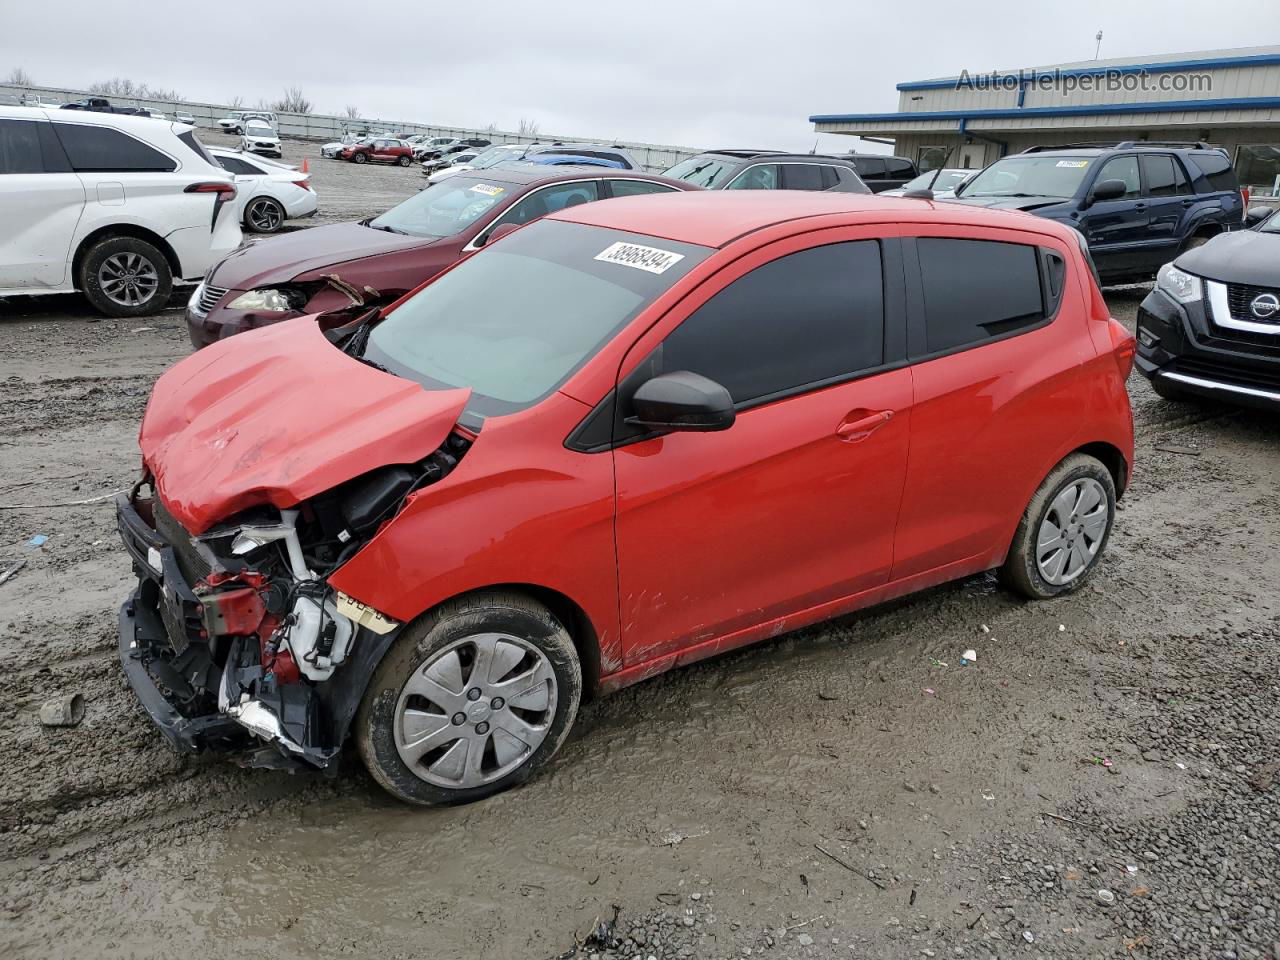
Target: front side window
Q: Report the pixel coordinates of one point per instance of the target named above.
(514, 321)
(763, 176)
(802, 320)
(1032, 176)
(551, 199)
(703, 171)
(975, 290)
(104, 150)
(1124, 169)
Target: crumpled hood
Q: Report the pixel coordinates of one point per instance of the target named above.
(279, 259)
(1241, 256)
(277, 416)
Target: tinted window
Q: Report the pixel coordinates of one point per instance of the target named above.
(869, 168)
(550, 199)
(806, 318)
(236, 165)
(802, 176)
(20, 147)
(763, 176)
(898, 168)
(635, 188)
(829, 177)
(1162, 181)
(1217, 170)
(976, 289)
(1122, 168)
(103, 150)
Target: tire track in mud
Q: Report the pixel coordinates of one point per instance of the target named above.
(32, 406)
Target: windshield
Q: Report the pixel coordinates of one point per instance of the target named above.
(495, 155)
(703, 171)
(259, 130)
(445, 208)
(515, 320)
(946, 180)
(1270, 225)
(1033, 176)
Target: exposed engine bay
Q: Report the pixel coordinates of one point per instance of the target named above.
(234, 640)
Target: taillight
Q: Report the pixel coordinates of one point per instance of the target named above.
(1123, 347)
(212, 186)
(305, 185)
(1244, 199)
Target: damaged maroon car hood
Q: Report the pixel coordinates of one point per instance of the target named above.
(289, 255)
(277, 416)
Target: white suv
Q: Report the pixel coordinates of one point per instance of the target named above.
(117, 207)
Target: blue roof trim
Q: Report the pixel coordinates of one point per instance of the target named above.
(1154, 106)
(1168, 66)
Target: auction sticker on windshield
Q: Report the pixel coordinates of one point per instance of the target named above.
(642, 258)
(487, 189)
(1073, 163)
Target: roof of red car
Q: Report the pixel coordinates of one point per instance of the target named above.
(712, 218)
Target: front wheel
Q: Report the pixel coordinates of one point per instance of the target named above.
(471, 699)
(358, 158)
(1064, 530)
(405, 161)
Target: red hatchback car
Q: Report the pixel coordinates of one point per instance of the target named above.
(378, 150)
(620, 439)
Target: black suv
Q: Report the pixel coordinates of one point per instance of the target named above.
(1211, 327)
(1138, 203)
(882, 173)
(768, 170)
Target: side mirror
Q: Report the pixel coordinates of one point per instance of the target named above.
(1256, 213)
(1108, 190)
(682, 401)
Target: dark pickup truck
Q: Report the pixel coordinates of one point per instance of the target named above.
(103, 105)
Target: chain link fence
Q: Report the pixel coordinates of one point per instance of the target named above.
(315, 126)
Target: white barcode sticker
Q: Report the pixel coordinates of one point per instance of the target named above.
(488, 189)
(642, 258)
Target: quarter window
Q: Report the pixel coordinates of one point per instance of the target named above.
(802, 320)
(236, 165)
(103, 150)
(1217, 170)
(1126, 169)
(636, 188)
(975, 290)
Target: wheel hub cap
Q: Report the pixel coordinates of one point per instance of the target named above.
(1072, 531)
(475, 711)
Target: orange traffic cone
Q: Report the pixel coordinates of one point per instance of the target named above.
(305, 167)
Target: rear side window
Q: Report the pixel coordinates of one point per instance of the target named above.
(975, 290)
(1216, 169)
(103, 150)
(899, 169)
(869, 168)
(635, 188)
(811, 317)
(20, 147)
(801, 176)
(191, 140)
(1161, 175)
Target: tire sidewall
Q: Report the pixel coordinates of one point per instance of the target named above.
(1074, 468)
(92, 289)
(404, 161)
(358, 158)
(375, 721)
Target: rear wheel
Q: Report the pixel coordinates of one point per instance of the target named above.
(125, 277)
(263, 215)
(405, 161)
(1064, 530)
(471, 699)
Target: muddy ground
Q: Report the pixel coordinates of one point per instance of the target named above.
(848, 791)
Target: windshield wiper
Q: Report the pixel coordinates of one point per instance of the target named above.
(381, 226)
(1049, 195)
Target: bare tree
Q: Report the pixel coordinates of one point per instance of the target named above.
(528, 129)
(353, 112)
(292, 102)
(124, 87)
(237, 102)
(19, 78)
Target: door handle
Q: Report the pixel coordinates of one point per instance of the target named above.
(852, 431)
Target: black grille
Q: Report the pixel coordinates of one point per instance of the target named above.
(194, 567)
(1240, 297)
(209, 297)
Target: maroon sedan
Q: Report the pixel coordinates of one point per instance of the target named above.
(346, 266)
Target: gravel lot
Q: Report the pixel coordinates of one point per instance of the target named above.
(1103, 782)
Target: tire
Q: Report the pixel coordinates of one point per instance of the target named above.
(263, 215)
(358, 158)
(1167, 391)
(146, 284)
(405, 161)
(395, 718)
(1023, 571)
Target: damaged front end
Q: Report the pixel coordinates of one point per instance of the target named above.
(233, 639)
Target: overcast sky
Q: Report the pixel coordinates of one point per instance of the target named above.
(744, 73)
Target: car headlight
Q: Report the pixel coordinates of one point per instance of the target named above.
(247, 543)
(273, 301)
(1183, 287)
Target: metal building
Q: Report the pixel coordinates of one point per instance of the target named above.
(1229, 98)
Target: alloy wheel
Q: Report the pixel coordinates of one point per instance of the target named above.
(264, 215)
(475, 711)
(1072, 531)
(128, 279)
